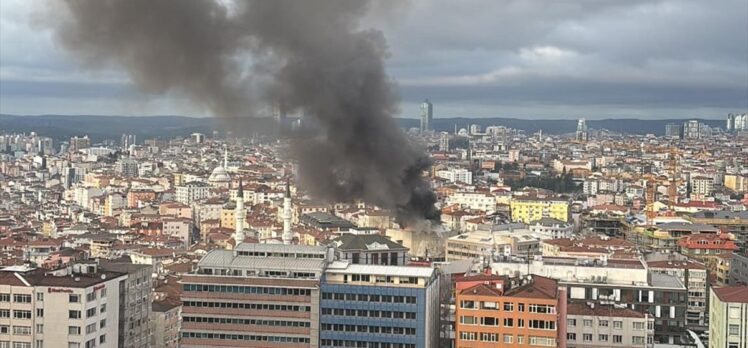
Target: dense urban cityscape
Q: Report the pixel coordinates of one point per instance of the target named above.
(373, 174)
(589, 239)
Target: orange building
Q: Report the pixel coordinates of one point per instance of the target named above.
(135, 196)
(496, 311)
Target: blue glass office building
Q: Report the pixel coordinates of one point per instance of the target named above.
(379, 306)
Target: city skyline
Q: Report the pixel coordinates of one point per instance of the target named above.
(568, 60)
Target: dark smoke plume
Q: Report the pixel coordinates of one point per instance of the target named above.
(239, 58)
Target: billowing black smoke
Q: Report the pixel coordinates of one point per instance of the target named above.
(239, 58)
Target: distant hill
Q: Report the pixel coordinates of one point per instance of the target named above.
(62, 127)
(98, 128)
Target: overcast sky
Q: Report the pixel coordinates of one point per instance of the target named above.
(524, 58)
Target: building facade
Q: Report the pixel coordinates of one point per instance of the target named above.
(494, 311)
(728, 317)
(379, 306)
(589, 325)
(76, 307)
(256, 295)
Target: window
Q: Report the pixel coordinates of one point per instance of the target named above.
(508, 322)
(91, 296)
(508, 306)
(20, 298)
(521, 307)
(21, 314)
(617, 324)
(40, 312)
(467, 336)
(490, 321)
(542, 341)
(40, 296)
(489, 337)
(91, 343)
(21, 330)
(103, 292)
(74, 298)
(4, 297)
(602, 338)
(90, 328)
(467, 305)
(638, 340)
(571, 322)
(508, 338)
(74, 330)
(587, 337)
(40, 328)
(4, 329)
(733, 330)
(102, 323)
(90, 312)
(74, 345)
(638, 326)
(103, 308)
(571, 336)
(39, 344)
(602, 323)
(542, 324)
(587, 322)
(102, 339)
(467, 320)
(74, 314)
(21, 345)
(4, 313)
(617, 339)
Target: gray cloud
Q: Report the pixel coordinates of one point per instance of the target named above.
(561, 58)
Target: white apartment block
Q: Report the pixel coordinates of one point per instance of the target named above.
(79, 310)
(473, 200)
(456, 175)
(192, 191)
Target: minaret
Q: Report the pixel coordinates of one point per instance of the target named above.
(239, 214)
(287, 234)
(226, 158)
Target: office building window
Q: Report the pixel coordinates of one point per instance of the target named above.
(617, 338)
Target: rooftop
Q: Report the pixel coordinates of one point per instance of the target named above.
(343, 267)
(735, 294)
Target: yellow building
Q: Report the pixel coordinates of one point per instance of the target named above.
(736, 182)
(227, 218)
(528, 210)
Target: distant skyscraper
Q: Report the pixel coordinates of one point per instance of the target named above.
(197, 138)
(673, 130)
(730, 122)
(79, 143)
(444, 142)
(427, 115)
(582, 130)
(691, 129)
(740, 122)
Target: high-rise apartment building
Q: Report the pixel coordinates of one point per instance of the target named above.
(127, 168)
(497, 311)
(378, 306)
(79, 143)
(135, 307)
(728, 317)
(673, 130)
(77, 307)
(582, 132)
(257, 295)
(427, 115)
(444, 142)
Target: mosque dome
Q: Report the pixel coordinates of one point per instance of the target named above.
(219, 175)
